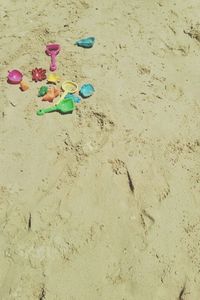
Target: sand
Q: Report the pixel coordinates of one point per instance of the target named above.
(102, 204)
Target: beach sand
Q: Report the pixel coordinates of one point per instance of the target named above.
(102, 204)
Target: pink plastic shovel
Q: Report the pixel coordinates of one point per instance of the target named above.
(53, 50)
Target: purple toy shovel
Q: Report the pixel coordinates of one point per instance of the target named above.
(53, 50)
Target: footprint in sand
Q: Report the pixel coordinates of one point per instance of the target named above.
(94, 131)
(174, 92)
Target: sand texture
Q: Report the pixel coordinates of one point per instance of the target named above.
(102, 204)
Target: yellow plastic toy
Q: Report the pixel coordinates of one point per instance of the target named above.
(68, 87)
(53, 78)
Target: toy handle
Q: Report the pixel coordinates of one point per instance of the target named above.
(63, 95)
(53, 66)
(41, 112)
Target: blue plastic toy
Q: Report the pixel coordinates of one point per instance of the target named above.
(86, 43)
(73, 97)
(87, 90)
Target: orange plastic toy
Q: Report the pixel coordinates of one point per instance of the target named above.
(24, 86)
(51, 94)
(56, 91)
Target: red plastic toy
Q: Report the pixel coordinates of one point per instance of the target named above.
(38, 74)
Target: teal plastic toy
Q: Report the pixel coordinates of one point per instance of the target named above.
(86, 43)
(87, 90)
(75, 98)
(65, 106)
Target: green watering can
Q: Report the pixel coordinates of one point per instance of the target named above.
(65, 106)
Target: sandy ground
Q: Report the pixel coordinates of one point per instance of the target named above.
(113, 189)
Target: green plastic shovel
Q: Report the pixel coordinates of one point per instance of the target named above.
(65, 106)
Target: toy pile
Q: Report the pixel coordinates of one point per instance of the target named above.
(68, 99)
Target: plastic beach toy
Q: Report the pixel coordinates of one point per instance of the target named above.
(86, 43)
(38, 74)
(87, 90)
(42, 91)
(68, 87)
(51, 94)
(24, 86)
(53, 50)
(75, 98)
(15, 76)
(53, 78)
(65, 106)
